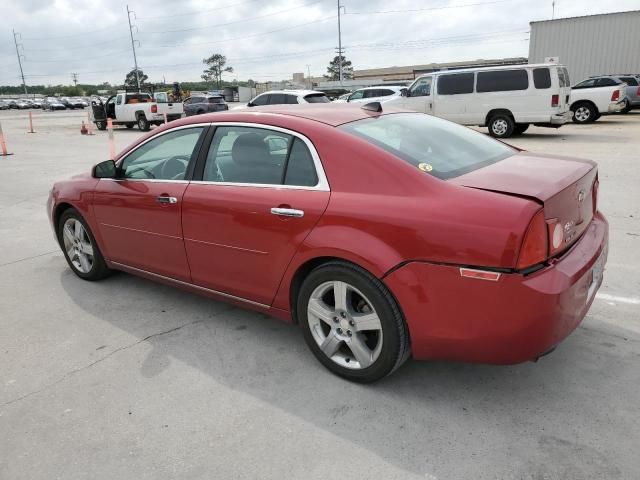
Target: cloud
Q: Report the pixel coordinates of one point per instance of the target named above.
(262, 40)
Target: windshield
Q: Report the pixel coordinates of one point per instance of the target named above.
(442, 148)
(317, 98)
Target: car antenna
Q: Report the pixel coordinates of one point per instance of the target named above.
(373, 107)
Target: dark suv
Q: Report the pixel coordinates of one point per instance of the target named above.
(204, 104)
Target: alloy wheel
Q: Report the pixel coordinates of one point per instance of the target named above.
(345, 325)
(582, 114)
(499, 127)
(77, 245)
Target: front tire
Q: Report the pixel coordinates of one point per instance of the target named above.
(584, 112)
(80, 248)
(143, 124)
(351, 322)
(501, 126)
(130, 125)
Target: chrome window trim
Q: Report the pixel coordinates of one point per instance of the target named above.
(323, 182)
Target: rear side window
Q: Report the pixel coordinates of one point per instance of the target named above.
(632, 82)
(291, 99)
(317, 98)
(455, 84)
(502, 81)
(300, 168)
(541, 78)
(606, 82)
(371, 93)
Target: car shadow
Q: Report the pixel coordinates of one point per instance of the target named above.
(407, 418)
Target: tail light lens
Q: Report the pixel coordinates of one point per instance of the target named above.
(594, 195)
(555, 100)
(535, 244)
(638, 92)
(556, 235)
(154, 108)
(615, 95)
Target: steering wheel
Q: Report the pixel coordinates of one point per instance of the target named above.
(175, 167)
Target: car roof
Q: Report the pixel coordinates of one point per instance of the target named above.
(294, 92)
(498, 67)
(327, 113)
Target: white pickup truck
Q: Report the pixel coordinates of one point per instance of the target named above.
(130, 109)
(594, 97)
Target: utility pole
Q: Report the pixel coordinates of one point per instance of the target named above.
(339, 44)
(74, 76)
(309, 76)
(15, 40)
(133, 47)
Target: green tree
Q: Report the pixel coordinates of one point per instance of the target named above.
(216, 66)
(333, 70)
(130, 79)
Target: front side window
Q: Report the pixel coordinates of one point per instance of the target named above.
(606, 82)
(502, 81)
(586, 83)
(166, 157)
(447, 149)
(421, 88)
(261, 100)
(258, 156)
(455, 84)
(541, 78)
(357, 95)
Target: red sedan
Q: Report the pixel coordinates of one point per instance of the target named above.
(382, 234)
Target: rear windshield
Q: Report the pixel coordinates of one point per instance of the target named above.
(317, 98)
(441, 148)
(216, 100)
(563, 77)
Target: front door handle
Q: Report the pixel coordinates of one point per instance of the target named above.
(166, 199)
(287, 212)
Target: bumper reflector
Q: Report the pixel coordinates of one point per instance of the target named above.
(480, 274)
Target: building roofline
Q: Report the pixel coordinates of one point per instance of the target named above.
(583, 16)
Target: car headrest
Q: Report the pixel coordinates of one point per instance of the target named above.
(249, 149)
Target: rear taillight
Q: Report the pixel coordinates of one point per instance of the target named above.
(615, 95)
(638, 92)
(555, 100)
(534, 246)
(154, 108)
(556, 236)
(594, 195)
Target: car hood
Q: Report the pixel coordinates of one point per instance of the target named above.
(527, 174)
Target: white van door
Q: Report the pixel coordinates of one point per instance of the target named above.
(452, 94)
(419, 96)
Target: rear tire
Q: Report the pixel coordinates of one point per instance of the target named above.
(80, 248)
(351, 322)
(130, 125)
(520, 128)
(101, 125)
(584, 112)
(143, 124)
(501, 125)
(627, 107)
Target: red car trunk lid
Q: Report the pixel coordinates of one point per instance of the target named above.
(564, 186)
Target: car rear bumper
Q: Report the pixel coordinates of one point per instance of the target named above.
(561, 118)
(615, 107)
(512, 320)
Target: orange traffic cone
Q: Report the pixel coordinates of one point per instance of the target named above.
(83, 129)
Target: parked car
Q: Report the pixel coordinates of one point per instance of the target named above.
(597, 96)
(633, 90)
(36, 103)
(22, 104)
(4, 105)
(204, 104)
(288, 97)
(12, 102)
(53, 103)
(382, 236)
(127, 109)
(373, 94)
(506, 99)
(344, 96)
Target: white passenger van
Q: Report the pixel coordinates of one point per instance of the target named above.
(506, 99)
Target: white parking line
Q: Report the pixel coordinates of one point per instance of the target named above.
(614, 298)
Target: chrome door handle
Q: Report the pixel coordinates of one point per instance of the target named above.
(166, 199)
(287, 212)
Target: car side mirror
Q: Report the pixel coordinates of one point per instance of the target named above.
(106, 169)
(405, 93)
(251, 104)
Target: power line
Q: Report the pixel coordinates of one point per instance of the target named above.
(413, 10)
(199, 12)
(244, 20)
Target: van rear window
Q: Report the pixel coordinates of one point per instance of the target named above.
(541, 78)
(502, 81)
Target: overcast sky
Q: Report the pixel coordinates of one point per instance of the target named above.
(262, 39)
